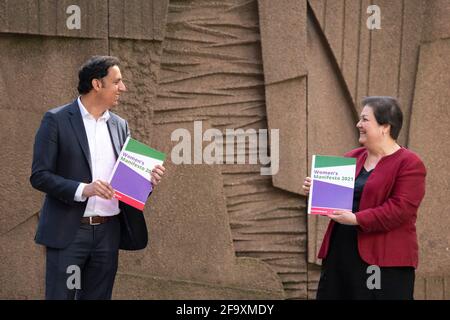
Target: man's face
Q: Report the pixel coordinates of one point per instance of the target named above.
(111, 87)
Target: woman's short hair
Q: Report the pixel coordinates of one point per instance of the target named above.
(95, 68)
(387, 111)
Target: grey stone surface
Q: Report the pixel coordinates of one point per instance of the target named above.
(211, 69)
(137, 286)
(413, 20)
(283, 50)
(190, 239)
(138, 19)
(140, 61)
(436, 24)
(22, 266)
(378, 62)
(429, 136)
(286, 112)
(385, 50)
(49, 18)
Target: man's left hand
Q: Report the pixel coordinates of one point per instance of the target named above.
(344, 217)
(157, 173)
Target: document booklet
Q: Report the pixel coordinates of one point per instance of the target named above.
(131, 178)
(333, 181)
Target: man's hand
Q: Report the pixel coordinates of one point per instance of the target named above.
(344, 217)
(157, 173)
(98, 188)
(306, 185)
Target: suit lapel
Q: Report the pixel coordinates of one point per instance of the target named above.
(80, 132)
(114, 134)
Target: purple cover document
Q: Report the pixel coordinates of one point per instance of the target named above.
(130, 178)
(333, 181)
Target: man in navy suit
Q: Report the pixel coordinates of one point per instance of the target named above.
(81, 224)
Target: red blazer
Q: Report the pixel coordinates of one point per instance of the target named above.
(388, 209)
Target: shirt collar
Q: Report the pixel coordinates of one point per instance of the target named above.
(85, 114)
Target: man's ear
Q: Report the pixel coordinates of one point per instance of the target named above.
(96, 84)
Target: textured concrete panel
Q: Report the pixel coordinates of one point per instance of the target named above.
(319, 10)
(331, 118)
(343, 24)
(419, 288)
(447, 288)
(365, 37)
(286, 111)
(350, 47)
(436, 24)
(434, 288)
(49, 17)
(411, 35)
(429, 136)
(283, 50)
(268, 224)
(334, 27)
(19, 199)
(190, 238)
(313, 280)
(160, 9)
(385, 50)
(22, 267)
(138, 19)
(138, 286)
(377, 62)
(211, 69)
(139, 65)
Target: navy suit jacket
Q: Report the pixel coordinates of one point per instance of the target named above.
(61, 160)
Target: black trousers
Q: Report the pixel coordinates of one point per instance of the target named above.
(345, 276)
(86, 269)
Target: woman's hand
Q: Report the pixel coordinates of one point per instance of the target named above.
(306, 185)
(344, 217)
(341, 216)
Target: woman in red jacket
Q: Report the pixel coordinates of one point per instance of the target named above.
(372, 252)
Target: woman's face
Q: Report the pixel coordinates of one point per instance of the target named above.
(370, 132)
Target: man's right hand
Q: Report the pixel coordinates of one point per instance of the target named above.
(307, 185)
(98, 188)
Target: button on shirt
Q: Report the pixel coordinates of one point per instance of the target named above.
(102, 160)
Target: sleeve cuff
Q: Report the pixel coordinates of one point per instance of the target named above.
(79, 193)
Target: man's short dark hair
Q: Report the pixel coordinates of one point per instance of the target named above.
(387, 111)
(95, 68)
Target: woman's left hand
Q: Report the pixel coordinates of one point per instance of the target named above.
(344, 217)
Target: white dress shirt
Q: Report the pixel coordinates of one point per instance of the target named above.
(102, 160)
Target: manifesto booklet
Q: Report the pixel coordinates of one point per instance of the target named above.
(131, 178)
(333, 181)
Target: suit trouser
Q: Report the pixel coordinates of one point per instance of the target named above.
(85, 269)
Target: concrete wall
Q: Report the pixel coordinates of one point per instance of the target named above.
(226, 231)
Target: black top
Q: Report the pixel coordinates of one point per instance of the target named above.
(359, 186)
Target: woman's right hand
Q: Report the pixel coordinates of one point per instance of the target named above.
(306, 185)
